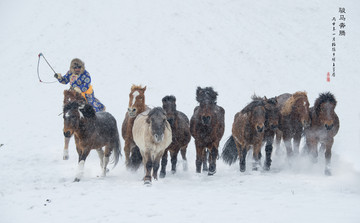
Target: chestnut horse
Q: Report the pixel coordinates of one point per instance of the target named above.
(207, 126)
(247, 132)
(152, 134)
(323, 128)
(180, 127)
(92, 131)
(294, 117)
(70, 96)
(136, 106)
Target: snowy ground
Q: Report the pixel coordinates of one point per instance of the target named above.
(238, 47)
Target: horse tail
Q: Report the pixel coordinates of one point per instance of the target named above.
(117, 151)
(230, 152)
(135, 158)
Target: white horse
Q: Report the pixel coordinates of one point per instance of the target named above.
(152, 134)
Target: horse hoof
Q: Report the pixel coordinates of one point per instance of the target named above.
(328, 172)
(266, 168)
(210, 173)
(173, 171)
(77, 179)
(162, 175)
(65, 157)
(147, 182)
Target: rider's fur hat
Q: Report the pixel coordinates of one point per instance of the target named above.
(77, 62)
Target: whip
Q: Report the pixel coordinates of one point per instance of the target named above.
(38, 73)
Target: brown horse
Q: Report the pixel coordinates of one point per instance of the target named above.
(92, 131)
(323, 128)
(247, 132)
(180, 127)
(152, 134)
(294, 117)
(207, 126)
(70, 96)
(136, 106)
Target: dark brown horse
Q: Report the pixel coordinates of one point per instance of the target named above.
(247, 132)
(294, 117)
(181, 136)
(136, 106)
(323, 128)
(70, 96)
(92, 131)
(207, 126)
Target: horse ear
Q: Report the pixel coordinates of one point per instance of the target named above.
(144, 89)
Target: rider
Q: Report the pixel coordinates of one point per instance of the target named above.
(80, 81)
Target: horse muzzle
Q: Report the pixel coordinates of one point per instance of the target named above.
(67, 134)
(260, 128)
(329, 127)
(132, 112)
(158, 138)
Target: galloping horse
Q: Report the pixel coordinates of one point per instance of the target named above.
(70, 96)
(152, 134)
(136, 106)
(180, 127)
(294, 117)
(324, 126)
(207, 126)
(247, 132)
(92, 131)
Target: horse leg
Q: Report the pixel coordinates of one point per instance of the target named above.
(268, 152)
(127, 148)
(199, 158)
(205, 159)
(256, 156)
(328, 146)
(242, 158)
(212, 160)
(100, 153)
(173, 155)
(297, 139)
(184, 160)
(66, 148)
(148, 167)
(83, 153)
(105, 160)
(288, 145)
(277, 142)
(156, 165)
(163, 164)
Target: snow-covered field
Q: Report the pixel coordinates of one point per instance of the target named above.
(238, 47)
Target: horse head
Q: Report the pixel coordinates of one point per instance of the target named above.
(136, 100)
(169, 106)
(325, 109)
(256, 112)
(157, 121)
(298, 107)
(73, 113)
(206, 95)
(272, 114)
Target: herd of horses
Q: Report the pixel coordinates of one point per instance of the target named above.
(150, 134)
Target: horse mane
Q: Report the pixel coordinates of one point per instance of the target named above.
(208, 91)
(87, 110)
(286, 110)
(170, 98)
(156, 110)
(324, 97)
(137, 87)
(257, 101)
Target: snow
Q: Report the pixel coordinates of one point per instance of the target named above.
(237, 47)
